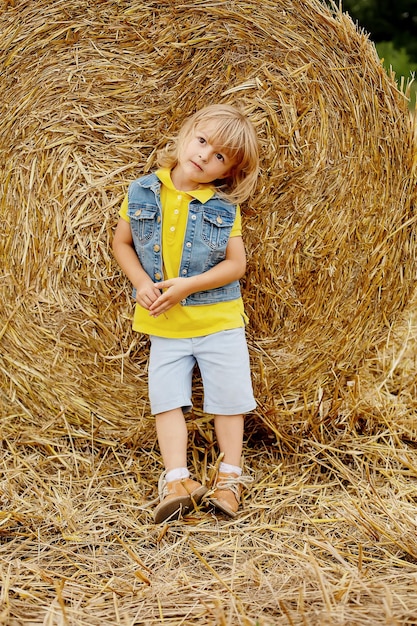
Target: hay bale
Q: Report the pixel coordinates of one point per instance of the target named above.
(89, 93)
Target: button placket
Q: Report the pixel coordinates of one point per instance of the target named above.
(174, 216)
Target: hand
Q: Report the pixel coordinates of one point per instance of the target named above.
(147, 293)
(174, 290)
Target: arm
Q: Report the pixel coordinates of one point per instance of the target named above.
(176, 289)
(125, 255)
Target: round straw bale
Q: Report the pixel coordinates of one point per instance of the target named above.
(90, 91)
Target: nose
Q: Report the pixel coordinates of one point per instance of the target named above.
(204, 153)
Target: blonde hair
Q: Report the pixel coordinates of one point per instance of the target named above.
(234, 132)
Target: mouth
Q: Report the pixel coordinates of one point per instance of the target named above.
(196, 165)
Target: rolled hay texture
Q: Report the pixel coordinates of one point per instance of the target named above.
(91, 90)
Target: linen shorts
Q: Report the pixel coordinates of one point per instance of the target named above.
(223, 361)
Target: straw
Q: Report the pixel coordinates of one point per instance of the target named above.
(326, 535)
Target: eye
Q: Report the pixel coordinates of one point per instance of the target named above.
(201, 140)
(219, 157)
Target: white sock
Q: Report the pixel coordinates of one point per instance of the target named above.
(178, 473)
(225, 468)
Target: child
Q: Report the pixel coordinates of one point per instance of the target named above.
(179, 242)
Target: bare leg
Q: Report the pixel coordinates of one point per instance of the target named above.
(229, 433)
(172, 435)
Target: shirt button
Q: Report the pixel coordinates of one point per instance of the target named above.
(138, 213)
(193, 217)
(172, 229)
(158, 219)
(179, 197)
(156, 248)
(219, 220)
(188, 244)
(158, 276)
(184, 272)
(176, 212)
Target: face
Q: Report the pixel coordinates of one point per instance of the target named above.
(201, 162)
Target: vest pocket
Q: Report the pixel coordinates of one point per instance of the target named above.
(142, 222)
(216, 229)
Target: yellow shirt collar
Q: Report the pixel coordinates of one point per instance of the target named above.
(202, 194)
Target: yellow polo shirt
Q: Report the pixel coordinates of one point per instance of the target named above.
(184, 321)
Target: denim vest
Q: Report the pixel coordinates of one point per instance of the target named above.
(205, 241)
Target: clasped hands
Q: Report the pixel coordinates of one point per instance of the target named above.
(149, 295)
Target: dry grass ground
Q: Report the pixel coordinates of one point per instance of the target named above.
(327, 535)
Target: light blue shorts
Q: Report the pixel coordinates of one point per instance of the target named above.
(223, 361)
